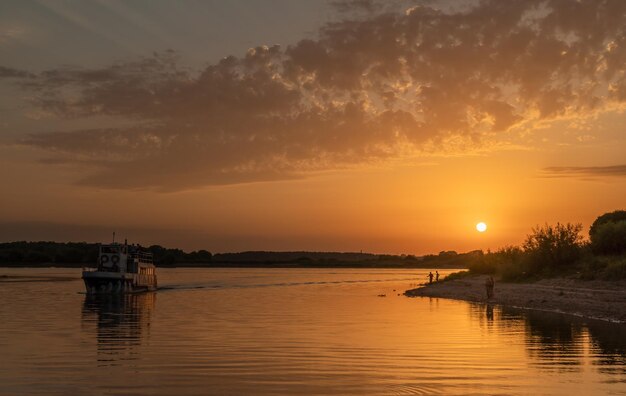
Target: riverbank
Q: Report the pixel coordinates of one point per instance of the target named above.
(590, 299)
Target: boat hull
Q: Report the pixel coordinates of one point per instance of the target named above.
(98, 282)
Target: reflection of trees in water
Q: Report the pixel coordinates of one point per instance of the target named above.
(552, 337)
(610, 341)
(121, 322)
(560, 342)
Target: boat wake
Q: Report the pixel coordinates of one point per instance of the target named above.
(35, 278)
(275, 284)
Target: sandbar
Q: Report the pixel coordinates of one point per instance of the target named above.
(590, 299)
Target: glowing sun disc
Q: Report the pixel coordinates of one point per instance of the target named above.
(481, 227)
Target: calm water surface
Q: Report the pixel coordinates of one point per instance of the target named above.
(290, 331)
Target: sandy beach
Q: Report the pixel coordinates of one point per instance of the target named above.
(590, 299)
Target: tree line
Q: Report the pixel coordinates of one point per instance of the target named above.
(85, 254)
(561, 249)
(73, 254)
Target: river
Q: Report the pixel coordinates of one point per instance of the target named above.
(290, 331)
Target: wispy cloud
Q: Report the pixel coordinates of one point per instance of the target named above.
(8, 72)
(366, 89)
(11, 33)
(351, 6)
(585, 171)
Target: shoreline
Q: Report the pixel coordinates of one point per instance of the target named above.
(598, 300)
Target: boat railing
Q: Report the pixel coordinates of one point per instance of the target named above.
(142, 257)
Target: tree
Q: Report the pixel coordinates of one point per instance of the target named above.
(169, 259)
(200, 256)
(608, 233)
(609, 238)
(552, 247)
(615, 216)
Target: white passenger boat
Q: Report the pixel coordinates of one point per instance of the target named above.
(121, 269)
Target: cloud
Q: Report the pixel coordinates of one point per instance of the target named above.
(365, 89)
(585, 171)
(8, 72)
(11, 33)
(352, 6)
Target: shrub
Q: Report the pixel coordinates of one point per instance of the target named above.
(491, 263)
(553, 247)
(482, 264)
(456, 275)
(515, 271)
(615, 216)
(513, 264)
(609, 238)
(592, 266)
(615, 270)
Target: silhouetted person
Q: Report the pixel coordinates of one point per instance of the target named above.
(430, 277)
(436, 276)
(489, 283)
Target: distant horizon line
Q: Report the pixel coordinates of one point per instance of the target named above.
(252, 251)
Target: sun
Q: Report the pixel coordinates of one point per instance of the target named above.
(481, 227)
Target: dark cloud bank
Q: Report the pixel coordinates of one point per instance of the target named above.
(367, 88)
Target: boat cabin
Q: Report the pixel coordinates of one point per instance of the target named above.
(125, 259)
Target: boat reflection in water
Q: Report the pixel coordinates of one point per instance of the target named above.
(120, 322)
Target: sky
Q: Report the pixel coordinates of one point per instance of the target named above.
(330, 125)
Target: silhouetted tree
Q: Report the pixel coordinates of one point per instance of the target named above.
(615, 216)
(608, 233)
(551, 247)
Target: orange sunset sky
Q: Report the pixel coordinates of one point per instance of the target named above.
(390, 127)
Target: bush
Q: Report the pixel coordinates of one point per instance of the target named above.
(514, 271)
(482, 264)
(456, 275)
(615, 270)
(512, 264)
(609, 238)
(591, 267)
(551, 248)
(505, 259)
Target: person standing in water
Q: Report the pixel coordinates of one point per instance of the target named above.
(436, 276)
(430, 277)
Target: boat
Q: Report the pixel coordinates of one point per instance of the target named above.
(122, 268)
